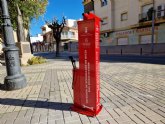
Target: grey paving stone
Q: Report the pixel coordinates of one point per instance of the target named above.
(60, 121)
(72, 119)
(74, 122)
(123, 119)
(112, 121)
(43, 118)
(84, 119)
(23, 120)
(93, 120)
(130, 93)
(104, 117)
(55, 117)
(35, 119)
(3, 121)
(51, 122)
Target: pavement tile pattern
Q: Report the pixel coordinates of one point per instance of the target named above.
(131, 93)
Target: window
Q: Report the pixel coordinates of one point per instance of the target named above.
(122, 41)
(107, 34)
(161, 11)
(124, 16)
(104, 21)
(146, 39)
(71, 34)
(146, 13)
(104, 2)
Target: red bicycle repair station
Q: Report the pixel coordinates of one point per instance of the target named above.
(86, 78)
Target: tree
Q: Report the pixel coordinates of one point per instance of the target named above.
(29, 9)
(20, 28)
(57, 28)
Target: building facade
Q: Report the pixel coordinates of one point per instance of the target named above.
(38, 38)
(69, 35)
(130, 26)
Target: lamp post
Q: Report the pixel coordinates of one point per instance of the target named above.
(14, 79)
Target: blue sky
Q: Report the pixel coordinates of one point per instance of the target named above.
(72, 9)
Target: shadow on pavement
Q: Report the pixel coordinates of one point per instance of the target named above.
(36, 104)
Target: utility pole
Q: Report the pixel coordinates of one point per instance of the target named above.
(153, 28)
(14, 79)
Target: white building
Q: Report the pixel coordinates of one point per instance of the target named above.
(69, 35)
(71, 23)
(126, 26)
(38, 38)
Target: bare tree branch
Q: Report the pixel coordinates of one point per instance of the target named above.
(57, 29)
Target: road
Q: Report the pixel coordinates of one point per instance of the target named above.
(131, 58)
(111, 58)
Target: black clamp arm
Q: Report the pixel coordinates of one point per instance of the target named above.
(73, 61)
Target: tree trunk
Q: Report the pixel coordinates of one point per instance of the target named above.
(20, 28)
(57, 48)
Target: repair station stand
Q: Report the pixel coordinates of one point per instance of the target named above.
(86, 78)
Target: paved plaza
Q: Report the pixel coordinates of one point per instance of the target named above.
(131, 93)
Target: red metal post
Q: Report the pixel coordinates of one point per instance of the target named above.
(86, 79)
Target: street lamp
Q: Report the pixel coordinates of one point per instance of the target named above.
(14, 79)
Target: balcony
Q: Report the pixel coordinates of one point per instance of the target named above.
(145, 17)
(68, 37)
(159, 15)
